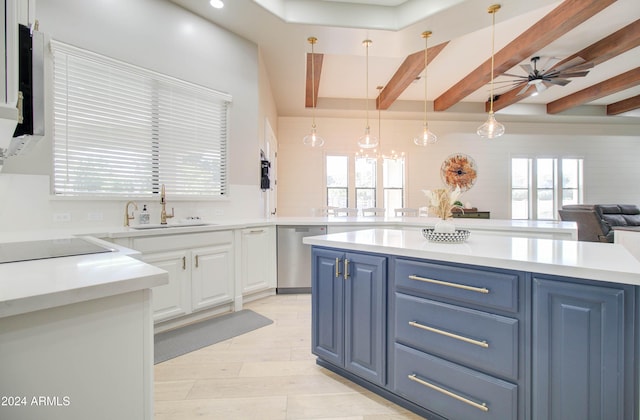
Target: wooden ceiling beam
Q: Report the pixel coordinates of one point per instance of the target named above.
(625, 105)
(313, 79)
(615, 44)
(616, 84)
(568, 15)
(406, 74)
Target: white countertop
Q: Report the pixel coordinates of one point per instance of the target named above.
(40, 284)
(587, 260)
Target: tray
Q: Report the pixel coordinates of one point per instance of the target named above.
(459, 236)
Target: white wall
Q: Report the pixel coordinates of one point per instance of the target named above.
(610, 153)
(163, 37)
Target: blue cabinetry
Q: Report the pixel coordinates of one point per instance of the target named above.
(583, 351)
(349, 312)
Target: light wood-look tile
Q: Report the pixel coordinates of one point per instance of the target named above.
(266, 374)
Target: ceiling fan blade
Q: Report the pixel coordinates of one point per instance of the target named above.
(524, 89)
(551, 61)
(559, 82)
(572, 74)
(514, 75)
(527, 68)
(576, 61)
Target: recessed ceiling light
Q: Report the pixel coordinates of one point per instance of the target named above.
(218, 4)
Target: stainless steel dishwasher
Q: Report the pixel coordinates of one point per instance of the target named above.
(294, 258)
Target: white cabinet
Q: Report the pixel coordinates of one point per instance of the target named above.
(8, 71)
(257, 259)
(201, 272)
(211, 276)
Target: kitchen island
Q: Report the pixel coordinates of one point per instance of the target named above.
(496, 327)
(76, 335)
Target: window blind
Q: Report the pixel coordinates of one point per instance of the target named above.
(120, 130)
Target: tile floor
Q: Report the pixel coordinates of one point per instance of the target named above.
(268, 374)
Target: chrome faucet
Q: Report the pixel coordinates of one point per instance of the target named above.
(163, 213)
(126, 212)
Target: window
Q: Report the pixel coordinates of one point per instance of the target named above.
(337, 181)
(121, 130)
(363, 186)
(540, 186)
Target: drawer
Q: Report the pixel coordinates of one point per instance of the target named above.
(451, 390)
(148, 244)
(477, 339)
(487, 288)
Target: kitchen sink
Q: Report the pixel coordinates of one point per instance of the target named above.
(169, 225)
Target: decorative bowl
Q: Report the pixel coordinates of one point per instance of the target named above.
(459, 236)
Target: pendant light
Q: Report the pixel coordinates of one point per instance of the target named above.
(367, 141)
(491, 128)
(427, 136)
(313, 139)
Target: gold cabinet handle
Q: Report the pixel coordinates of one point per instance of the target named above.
(197, 261)
(184, 263)
(256, 231)
(483, 343)
(346, 268)
(338, 273)
(449, 284)
(482, 406)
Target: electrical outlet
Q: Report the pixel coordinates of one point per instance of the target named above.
(95, 216)
(61, 217)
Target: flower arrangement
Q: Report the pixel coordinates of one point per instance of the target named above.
(442, 201)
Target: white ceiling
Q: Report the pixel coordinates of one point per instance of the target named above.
(281, 27)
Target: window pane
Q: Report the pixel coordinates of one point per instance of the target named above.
(337, 171)
(545, 204)
(366, 172)
(337, 197)
(365, 197)
(569, 173)
(545, 173)
(520, 204)
(392, 199)
(393, 173)
(570, 196)
(520, 173)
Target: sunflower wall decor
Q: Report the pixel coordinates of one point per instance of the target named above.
(459, 170)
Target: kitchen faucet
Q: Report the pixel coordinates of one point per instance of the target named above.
(163, 213)
(126, 212)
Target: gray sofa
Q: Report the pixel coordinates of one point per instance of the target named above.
(597, 222)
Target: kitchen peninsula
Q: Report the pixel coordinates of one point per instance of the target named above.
(496, 327)
(76, 332)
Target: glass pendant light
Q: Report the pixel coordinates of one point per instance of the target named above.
(491, 128)
(427, 136)
(367, 141)
(313, 139)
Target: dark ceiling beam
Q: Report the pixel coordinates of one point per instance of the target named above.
(406, 74)
(615, 44)
(625, 105)
(313, 79)
(616, 84)
(558, 22)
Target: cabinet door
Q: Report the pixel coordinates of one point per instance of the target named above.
(365, 308)
(327, 305)
(578, 351)
(172, 299)
(258, 259)
(211, 276)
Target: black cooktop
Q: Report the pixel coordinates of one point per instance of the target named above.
(49, 248)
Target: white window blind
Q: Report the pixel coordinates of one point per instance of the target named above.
(121, 130)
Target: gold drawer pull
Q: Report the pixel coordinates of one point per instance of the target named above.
(446, 283)
(451, 335)
(482, 406)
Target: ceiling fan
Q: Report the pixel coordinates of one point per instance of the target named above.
(550, 75)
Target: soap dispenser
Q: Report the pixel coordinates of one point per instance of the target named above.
(143, 217)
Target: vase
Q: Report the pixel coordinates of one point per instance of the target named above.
(445, 226)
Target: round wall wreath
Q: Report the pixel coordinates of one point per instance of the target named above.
(459, 170)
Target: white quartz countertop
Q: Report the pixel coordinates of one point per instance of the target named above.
(494, 225)
(579, 259)
(29, 286)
